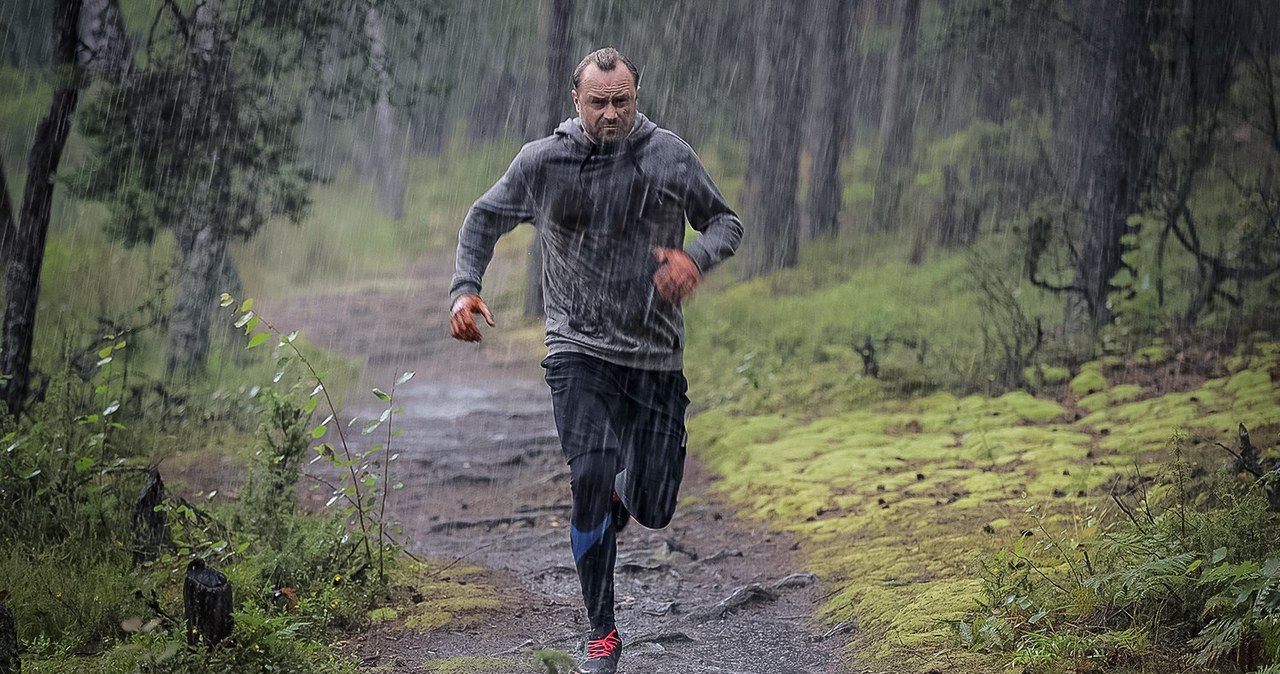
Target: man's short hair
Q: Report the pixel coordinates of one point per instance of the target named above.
(605, 59)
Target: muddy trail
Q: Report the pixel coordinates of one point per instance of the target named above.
(485, 482)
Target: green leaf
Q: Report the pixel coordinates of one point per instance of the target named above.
(32, 474)
(84, 463)
(310, 406)
(319, 431)
(244, 320)
(258, 340)
(226, 300)
(104, 351)
(1218, 555)
(252, 325)
(382, 395)
(386, 414)
(370, 426)
(247, 304)
(405, 377)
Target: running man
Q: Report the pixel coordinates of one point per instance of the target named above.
(610, 193)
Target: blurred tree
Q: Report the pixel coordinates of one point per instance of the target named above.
(831, 88)
(388, 159)
(201, 137)
(897, 116)
(23, 275)
(773, 162)
(555, 25)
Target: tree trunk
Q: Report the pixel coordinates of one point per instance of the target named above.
(1120, 146)
(33, 225)
(832, 116)
(897, 119)
(202, 235)
(104, 45)
(199, 270)
(773, 161)
(388, 162)
(8, 226)
(555, 23)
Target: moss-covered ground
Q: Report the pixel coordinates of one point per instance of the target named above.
(897, 499)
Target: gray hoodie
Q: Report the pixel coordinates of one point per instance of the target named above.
(601, 209)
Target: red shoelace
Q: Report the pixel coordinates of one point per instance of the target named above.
(604, 646)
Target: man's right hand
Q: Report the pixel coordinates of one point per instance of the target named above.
(462, 323)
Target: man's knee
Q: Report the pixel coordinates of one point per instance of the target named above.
(654, 508)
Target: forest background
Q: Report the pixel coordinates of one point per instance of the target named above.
(1016, 259)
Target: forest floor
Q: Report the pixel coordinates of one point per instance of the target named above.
(486, 489)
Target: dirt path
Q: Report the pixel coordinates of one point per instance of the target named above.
(485, 480)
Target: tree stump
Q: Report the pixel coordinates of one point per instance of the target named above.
(151, 526)
(206, 597)
(9, 661)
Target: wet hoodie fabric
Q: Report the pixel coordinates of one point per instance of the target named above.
(601, 210)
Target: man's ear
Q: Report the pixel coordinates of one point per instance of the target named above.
(573, 93)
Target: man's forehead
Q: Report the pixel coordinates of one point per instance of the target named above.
(595, 79)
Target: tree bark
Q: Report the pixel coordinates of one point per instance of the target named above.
(1121, 143)
(897, 118)
(33, 225)
(555, 23)
(8, 226)
(833, 89)
(773, 161)
(388, 162)
(202, 234)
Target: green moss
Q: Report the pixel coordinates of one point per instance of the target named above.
(1090, 380)
(886, 496)
(1152, 355)
(1046, 375)
(460, 599)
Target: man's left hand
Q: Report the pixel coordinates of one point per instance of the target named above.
(678, 276)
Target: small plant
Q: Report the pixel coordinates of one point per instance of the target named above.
(364, 486)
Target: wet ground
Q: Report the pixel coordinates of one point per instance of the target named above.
(485, 481)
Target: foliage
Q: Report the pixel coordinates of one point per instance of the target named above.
(365, 471)
(1183, 577)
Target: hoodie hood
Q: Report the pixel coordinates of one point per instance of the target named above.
(572, 129)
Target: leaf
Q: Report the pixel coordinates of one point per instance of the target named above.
(252, 325)
(247, 305)
(370, 426)
(244, 320)
(310, 406)
(226, 300)
(104, 361)
(405, 377)
(32, 474)
(115, 405)
(386, 414)
(258, 339)
(332, 499)
(319, 431)
(317, 389)
(292, 336)
(104, 351)
(382, 395)
(84, 463)
(1218, 555)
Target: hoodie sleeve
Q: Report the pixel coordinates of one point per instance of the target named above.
(506, 204)
(719, 229)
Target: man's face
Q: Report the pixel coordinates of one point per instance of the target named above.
(606, 102)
